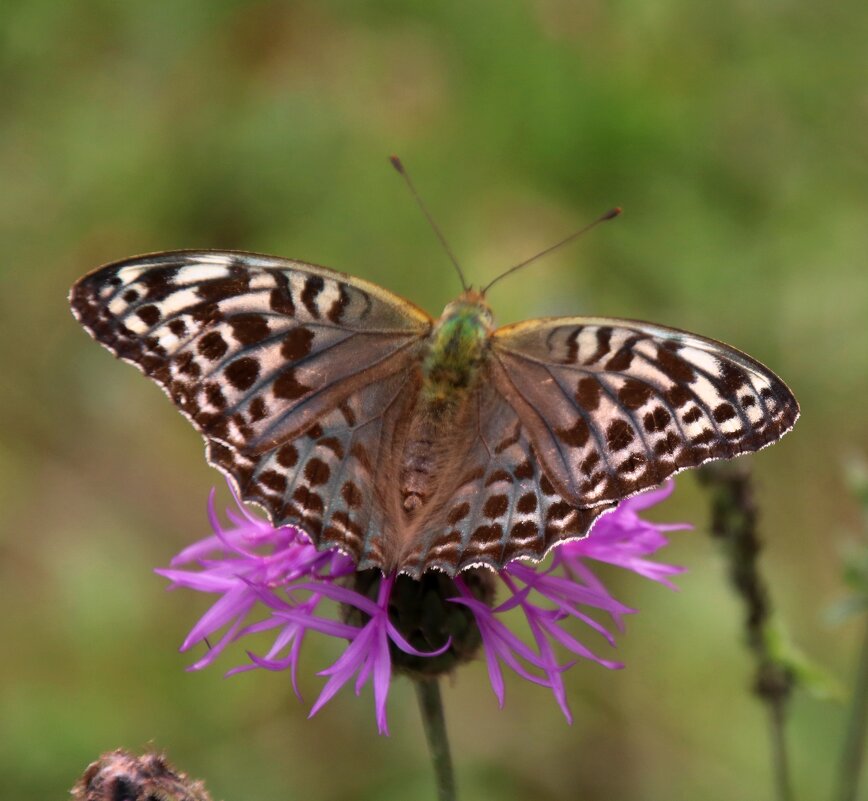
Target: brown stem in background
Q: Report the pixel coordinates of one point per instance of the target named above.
(856, 735)
(733, 524)
(853, 753)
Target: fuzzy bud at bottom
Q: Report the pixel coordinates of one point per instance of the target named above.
(122, 776)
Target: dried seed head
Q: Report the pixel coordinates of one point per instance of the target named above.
(122, 776)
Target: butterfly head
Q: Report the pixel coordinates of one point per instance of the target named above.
(458, 344)
(466, 321)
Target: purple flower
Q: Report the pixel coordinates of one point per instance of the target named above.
(274, 579)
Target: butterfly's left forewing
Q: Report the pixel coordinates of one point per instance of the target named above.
(297, 376)
(616, 406)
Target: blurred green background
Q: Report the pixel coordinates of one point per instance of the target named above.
(733, 134)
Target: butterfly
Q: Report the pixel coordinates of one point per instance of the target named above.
(411, 443)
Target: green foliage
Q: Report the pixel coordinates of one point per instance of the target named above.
(807, 674)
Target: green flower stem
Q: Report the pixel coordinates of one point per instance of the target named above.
(431, 708)
(854, 740)
(733, 524)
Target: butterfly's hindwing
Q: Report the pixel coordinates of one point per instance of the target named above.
(616, 406)
(328, 480)
(497, 503)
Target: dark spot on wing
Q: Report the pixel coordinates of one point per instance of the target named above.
(498, 475)
(223, 288)
(558, 511)
(619, 435)
(678, 396)
(487, 534)
(527, 503)
(524, 530)
(590, 462)
(577, 435)
(316, 472)
(258, 409)
(692, 415)
(458, 513)
(297, 344)
(622, 359)
(495, 506)
(734, 378)
(288, 387)
(206, 313)
(287, 455)
(159, 282)
(273, 480)
(588, 393)
(212, 346)
(242, 373)
(336, 310)
(523, 470)
(632, 463)
(313, 285)
(215, 396)
(281, 296)
(604, 337)
(724, 412)
(656, 420)
(673, 366)
(249, 329)
(149, 314)
(352, 495)
(187, 364)
(333, 444)
(634, 394)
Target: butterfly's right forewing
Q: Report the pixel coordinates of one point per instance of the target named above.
(616, 406)
(296, 375)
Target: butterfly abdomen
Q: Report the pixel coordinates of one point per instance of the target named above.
(457, 350)
(435, 440)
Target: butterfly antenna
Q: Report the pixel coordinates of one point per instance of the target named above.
(396, 163)
(609, 215)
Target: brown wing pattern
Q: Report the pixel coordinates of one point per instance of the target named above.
(295, 374)
(330, 480)
(615, 406)
(498, 505)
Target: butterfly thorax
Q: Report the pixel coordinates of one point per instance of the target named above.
(458, 346)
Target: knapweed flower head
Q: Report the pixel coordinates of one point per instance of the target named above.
(274, 580)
